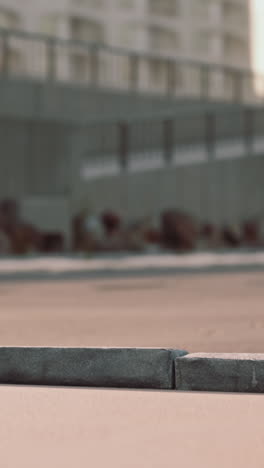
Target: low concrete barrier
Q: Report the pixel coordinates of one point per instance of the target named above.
(132, 368)
(220, 373)
(90, 367)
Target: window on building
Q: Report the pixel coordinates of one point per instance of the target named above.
(79, 67)
(13, 60)
(163, 40)
(9, 19)
(157, 70)
(235, 48)
(201, 42)
(129, 35)
(164, 7)
(49, 25)
(234, 12)
(125, 4)
(82, 65)
(126, 36)
(163, 74)
(88, 3)
(86, 30)
(206, 43)
(201, 8)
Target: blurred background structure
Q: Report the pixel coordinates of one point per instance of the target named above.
(213, 33)
(132, 106)
(216, 31)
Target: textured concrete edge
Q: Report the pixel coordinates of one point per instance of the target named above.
(39, 275)
(132, 368)
(230, 373)
(138, 368)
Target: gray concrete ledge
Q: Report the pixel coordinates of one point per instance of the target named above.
(91, 367)
(220, 373)
(132, 368)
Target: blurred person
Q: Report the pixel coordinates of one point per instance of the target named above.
(111, 222)
(115, 234)
(210, 237)
(179, 231)
(24, 239)
(19, 237)
(232, 236)
(261, 231)
(10, 214)
(88, 232)
(252, 233)
(144, 235)
(5, 246)
(135, 237)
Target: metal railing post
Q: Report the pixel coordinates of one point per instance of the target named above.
(5, 54)
(51, 59)
(168, 141)
(170, 78)
(249, 130)
(123, 145)
(134, 72)
(237, 86)
(210, 136)
(205, 82)
(94, 66)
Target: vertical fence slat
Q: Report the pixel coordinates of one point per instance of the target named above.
(168, 140)
(94, 66)
(205, 82)
(5, 53)
(134, 72)
(123, 145)
(51, 59)
(249, 130)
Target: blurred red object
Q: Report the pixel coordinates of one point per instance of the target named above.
(179, 231)
(231, 236)
(111, 222)
(153, 236)
(9, 214)
(251, 233)
(24, 238)
(52, 242)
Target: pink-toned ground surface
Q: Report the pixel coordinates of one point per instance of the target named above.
(220, 313)
(47, 427)
(67, 428)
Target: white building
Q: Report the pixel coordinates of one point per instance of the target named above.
(213, 31)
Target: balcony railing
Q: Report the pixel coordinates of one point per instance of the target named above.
(194, 137)
(49, 59)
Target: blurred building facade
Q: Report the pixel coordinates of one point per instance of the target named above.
(206, 31)
(216, 31)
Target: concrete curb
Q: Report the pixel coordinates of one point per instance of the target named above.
(90, 367)
(220, 373)
(132, 368)
(67, 267)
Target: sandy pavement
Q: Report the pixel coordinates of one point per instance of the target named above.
(74, 428)
(213, 313)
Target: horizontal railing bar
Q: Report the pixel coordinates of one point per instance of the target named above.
(128, 53)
